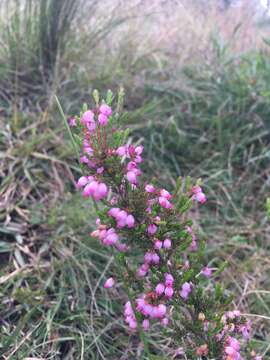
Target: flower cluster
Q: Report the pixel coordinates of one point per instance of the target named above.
(198, 194)
(130, 316)
(92, 188)
(138, 214)
(133, 154)
(122, 218)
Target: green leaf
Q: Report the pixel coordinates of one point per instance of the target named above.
(68, 128)
(109, 97)
(268, 207)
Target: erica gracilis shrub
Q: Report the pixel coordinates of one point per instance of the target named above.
(170, 286)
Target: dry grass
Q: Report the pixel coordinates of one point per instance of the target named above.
(174, 31)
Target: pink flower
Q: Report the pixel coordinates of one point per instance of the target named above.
(121, 247)
(230, 315)
(237, 313)
(100, 170)
(141, 272)
(202, 350)
(200, 197)
(233, 354)
(132, 324)
(72, 122)
(130, 221)
(155, 258)
(149, 188)
(152, 229)
(245, 330)
(160, 289)
(102, 119)
(102, 191)
(146, 324)
(95, 233)
(179, 351)
(168, 292)
(186, 289)
(105, 110)
(161, 310)
(83, 180)
(207, 272)
(109, 283)
(151, 258)
(198, 194)
(169, 280)
(205, 326)
(84, 159)
(140, 304)
(132, 166)
(139, 149)
(131, 176)
(164, 322)
(121, 151)
(121, 216)
(164, 203)
(91, 126)
(102, 234)
(158, 244)
(111, 237)
(128, 309)
(148, 257)
(167, 244)
(90, 189)
(113, 212)
(234, 343)
(131, 150)
(193, 245)
(88, 150)
(87, 117)
(148, 310)
(138, 159)
(164, 193)
(196, 189)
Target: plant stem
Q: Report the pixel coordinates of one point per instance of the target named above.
(68, 128)
(140, 329)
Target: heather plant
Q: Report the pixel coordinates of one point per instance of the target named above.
(149, 230)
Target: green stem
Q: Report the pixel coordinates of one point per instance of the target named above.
(140, 329)
(67, 127)
(95, 206)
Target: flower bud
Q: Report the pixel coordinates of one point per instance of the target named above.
(102, 119)
(105, 110)
(158, 244)
(167, 244)
(146, 324)
(201, 316)
(109, 283)
(160, 289)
